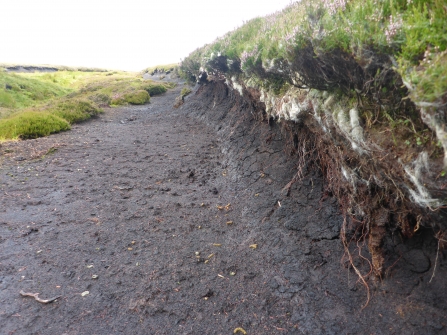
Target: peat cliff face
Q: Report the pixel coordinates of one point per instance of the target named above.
(383, 156)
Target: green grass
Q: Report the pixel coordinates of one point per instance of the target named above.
(68, 96)
(413, 32)
(17, 91)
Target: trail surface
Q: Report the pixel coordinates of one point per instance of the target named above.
(155, 220)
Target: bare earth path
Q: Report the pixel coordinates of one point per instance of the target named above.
(154, 220)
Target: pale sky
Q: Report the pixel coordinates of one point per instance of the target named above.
(128, 35)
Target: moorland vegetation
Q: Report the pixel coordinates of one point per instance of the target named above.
(38, 104)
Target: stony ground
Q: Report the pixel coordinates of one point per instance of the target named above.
(155, 220)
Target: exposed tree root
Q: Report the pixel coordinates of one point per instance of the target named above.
(440, 240)
(357, 271)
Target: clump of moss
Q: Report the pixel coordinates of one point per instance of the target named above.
(136, 97)
(185, 91)
(31, 125)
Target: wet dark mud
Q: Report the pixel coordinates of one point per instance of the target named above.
(156, 220)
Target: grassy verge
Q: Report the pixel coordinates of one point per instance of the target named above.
(38, 104)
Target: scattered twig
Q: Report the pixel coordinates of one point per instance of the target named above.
(36, 297)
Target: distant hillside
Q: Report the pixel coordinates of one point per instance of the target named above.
(46, 68)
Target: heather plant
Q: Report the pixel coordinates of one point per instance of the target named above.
(333, 6)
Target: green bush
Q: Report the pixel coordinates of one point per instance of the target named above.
(75, 110)
(31, 125)
(139, 97)
(155, 89)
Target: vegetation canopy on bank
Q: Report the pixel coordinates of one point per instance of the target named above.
(412, 32)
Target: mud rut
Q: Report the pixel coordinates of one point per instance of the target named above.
(174, 222)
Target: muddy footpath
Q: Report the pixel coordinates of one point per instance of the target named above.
(160, 220)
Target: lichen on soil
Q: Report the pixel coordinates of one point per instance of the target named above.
(134, 207)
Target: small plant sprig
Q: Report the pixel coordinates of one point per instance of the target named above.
(394, 27)
(333, 6)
